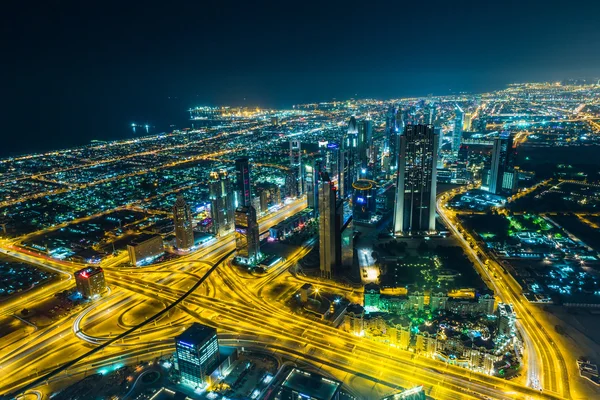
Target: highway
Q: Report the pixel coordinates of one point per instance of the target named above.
(546, 367)
(231, 301)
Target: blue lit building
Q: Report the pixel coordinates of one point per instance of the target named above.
(197, 352)
(364, 202)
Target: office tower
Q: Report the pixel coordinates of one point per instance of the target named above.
(468, 121)
(462, 163)
(221, 202)
(182, 218)
(197, 350)
(145, 248)
(243, 184)
(392, 139)
(458, 128)
(352, 126)
(502, 175)
(327, 222)
(363, 201)
(296, 164)
(291, 184)
(300, 384)
(348, 164)
(431, 114)
(247, 240)
(414, 209)
(90, 282)
(311, 180)
(365, 136)
(264, 200)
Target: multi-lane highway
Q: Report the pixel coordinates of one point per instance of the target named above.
(229, 299)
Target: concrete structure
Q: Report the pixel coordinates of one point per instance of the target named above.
(296, 164)
(458, 128)
(90, 282)
(221, 202)
(328, 237)
(247, 241)
(364, 201)
(197, 350)
(414, 209)
(144, 248)
(243, 185)
(182, 218)
(502, 177)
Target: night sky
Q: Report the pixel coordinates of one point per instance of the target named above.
(75, 71)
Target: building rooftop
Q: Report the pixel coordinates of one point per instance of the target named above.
(311, 384)
(196, 333)
(142, 238)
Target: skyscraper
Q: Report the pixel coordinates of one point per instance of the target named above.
(365, 135)
(243, 185)
(182, 218)
(327, 222)
(311, 179)
(197, 350)
(247, 241)
(502, 175)
(221, 202)
(296, 164)
(414, 209)
(458, 128)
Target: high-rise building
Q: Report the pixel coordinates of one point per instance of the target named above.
(247, 240)
(197, 350)
(90, 282)
(365, 136)
(458, 128)
(221, 202)
(468, 122)
(364, 202)
(296, 164)
(506, 319)
(243, 185)
(391, 127)
(311, 175)
(182, 218)
(327, 222)
(348, 164)
(414, 209)
(502, 175)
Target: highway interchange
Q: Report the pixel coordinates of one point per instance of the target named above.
(228, 300)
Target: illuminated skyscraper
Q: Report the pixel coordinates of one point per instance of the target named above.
(327, 223)
(458, 128)
(296, 164)
(243, 185)
(247, 241)
(365, 136)
(221, 202)
(182, 218)
(363, 201)
(414, 209)
(503, 178)
(197, 350)
(90, 282)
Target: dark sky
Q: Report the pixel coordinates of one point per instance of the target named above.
(75, 71)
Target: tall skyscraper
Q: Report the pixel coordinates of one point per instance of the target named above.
(365, 136)
(311, 180)
(296, 164)
(197, 350)
(414, 209)
(503, 177)
(182, 218)
(221, 202)
(348, 163)
(458, 128)
(247, 241)
(243, 185)
(90, 282)
(391, 142)
(327, 222)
